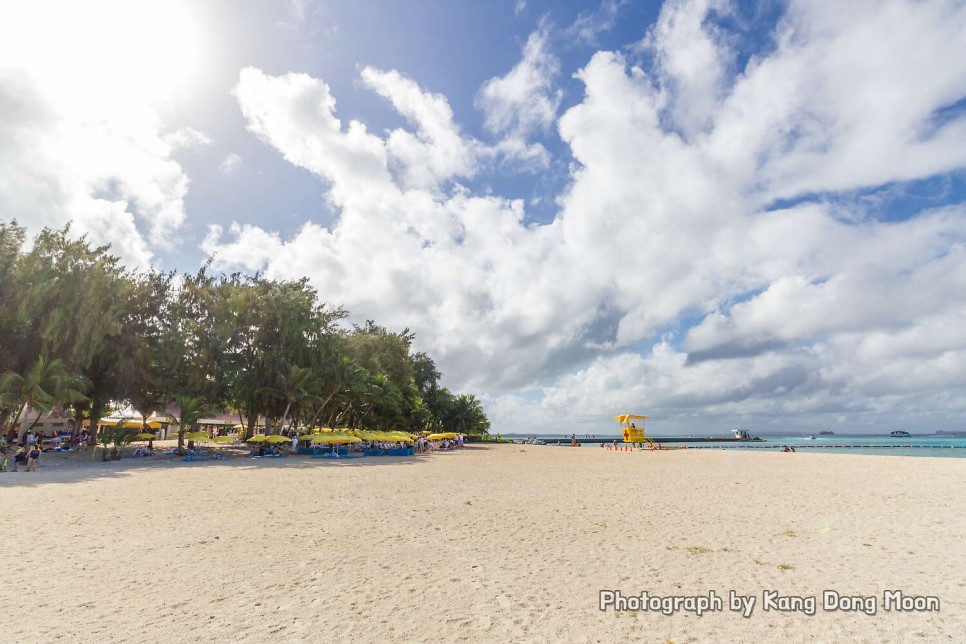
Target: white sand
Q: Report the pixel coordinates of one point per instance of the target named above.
(507, 543)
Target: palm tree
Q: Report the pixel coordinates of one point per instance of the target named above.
(384, 401)
(464, 414)
(336, 377)
(192, 409)
(294, 389)
(119, 434)
(46, 385)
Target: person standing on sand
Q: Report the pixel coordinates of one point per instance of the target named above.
(20, 458)
(32, 457)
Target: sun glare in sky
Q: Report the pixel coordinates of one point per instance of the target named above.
(146, 50)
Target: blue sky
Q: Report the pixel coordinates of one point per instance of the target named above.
(716, 213)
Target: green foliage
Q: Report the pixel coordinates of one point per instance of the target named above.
(73, 298)
(44, 386)
(380, 351)
(262, 347)
(464, 414)
(118, 436)
(191, 409)
(12, 237)
(295, 387)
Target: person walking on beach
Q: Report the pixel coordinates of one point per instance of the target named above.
(3, 459)
(32, 457)
(20, 458)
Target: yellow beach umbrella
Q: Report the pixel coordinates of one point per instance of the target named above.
(224, 439)
(144, 436)
(126, 424)
(335, 438)
(258, 438)
(197, 436)
(278, 438)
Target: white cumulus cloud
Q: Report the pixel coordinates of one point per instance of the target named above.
(230, 163)
(709, 258)
(523, 101)
(81, 139)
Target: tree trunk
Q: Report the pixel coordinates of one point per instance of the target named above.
(78, 421)
(16, 419)
(252, 413)
(364, 414)
(97, 408)
(181, 432)
(321, 411)
(24, 417)
(340, 415)
(281, 424)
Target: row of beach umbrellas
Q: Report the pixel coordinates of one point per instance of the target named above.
(318, 437)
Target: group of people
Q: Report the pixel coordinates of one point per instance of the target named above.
(424, 445)
(266, 450)
(57, 443)
(26, 456)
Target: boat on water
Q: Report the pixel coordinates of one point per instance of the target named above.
(742, 435)
(810, 437)
(899, 434)
(827, 432)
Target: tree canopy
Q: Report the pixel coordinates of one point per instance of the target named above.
(71, 314)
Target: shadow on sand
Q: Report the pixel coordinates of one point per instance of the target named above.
(81, 468)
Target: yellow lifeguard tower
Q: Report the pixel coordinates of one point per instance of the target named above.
(632, 429)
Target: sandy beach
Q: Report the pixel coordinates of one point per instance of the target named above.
(490, 543)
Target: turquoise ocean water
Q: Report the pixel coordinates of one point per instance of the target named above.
(925, 445)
